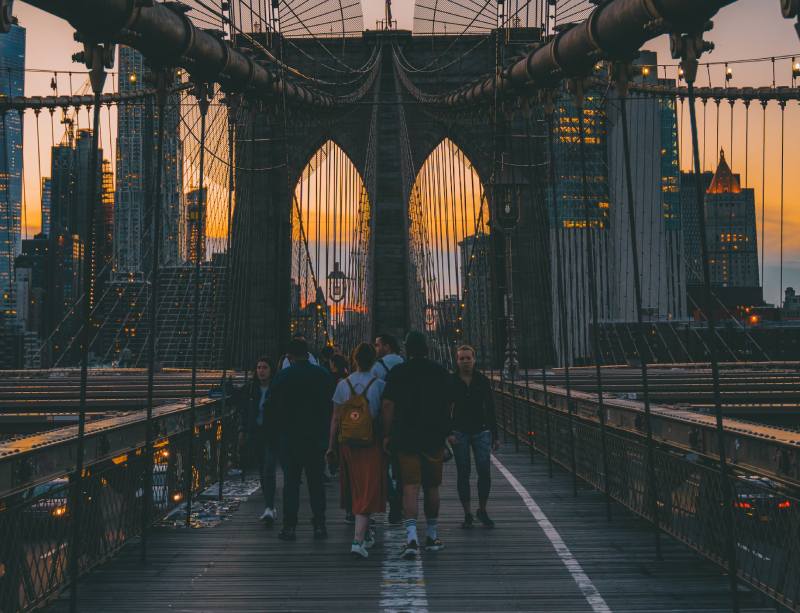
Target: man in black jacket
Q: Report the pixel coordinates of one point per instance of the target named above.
(475, 427)
(416, 422)
(301, 396)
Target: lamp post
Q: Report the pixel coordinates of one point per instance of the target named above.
(507, 198)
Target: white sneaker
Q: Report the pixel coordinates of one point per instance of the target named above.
(269, 515)
(369, 539)
(358, 550)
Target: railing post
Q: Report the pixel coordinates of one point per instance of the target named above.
(549, 441)
(503, 405)
(514, 423)
(531, 422)
(97, 58)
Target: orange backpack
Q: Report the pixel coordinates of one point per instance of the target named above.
(355, 421)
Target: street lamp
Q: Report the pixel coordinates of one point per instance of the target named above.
(337, 284)
(430, 317)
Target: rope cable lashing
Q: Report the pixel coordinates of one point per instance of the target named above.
(591, 256)
(689, 47)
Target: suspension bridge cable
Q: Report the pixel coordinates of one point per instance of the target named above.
(591, 255)
(566, 353)
(640, 323)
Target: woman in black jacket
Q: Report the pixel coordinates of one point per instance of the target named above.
(258, 432)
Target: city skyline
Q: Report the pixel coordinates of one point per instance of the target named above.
(49, 35)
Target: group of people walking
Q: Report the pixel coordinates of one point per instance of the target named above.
(387, 422)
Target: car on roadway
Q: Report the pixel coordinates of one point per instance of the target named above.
(761, 499)
(47, 501)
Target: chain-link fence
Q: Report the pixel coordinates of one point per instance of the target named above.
(37, 521)
(690, 498)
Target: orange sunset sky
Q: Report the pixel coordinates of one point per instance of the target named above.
(747, 29)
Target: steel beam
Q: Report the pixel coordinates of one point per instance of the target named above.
(616, 30)
(166, 36)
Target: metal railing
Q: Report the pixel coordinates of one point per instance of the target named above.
(38, 493)
(688, 490)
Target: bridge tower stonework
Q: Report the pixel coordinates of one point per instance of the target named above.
(388, 136)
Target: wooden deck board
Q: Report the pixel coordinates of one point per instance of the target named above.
(240, 566)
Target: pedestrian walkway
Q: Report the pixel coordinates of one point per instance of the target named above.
(549, 552)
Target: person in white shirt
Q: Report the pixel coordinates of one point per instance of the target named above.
(386, 348)
(363, 465)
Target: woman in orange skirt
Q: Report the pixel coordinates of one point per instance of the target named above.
(363, 466)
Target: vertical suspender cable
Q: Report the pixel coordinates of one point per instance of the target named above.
(728, 499)
(97, 76)
(763, 182)
(591, 256)
(233, 108)
(155, 264)
(640, 337)
(202, 101)
(783, 168)
(544, 353)
(562, 310)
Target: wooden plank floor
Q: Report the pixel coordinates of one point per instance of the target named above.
(240, 566)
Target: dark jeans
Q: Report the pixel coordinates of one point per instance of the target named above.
(267, 463)
(312, 461)
(481, 445)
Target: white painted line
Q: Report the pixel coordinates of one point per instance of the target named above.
(585, 584)
(403, 581)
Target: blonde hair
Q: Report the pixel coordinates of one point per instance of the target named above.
(467, 348)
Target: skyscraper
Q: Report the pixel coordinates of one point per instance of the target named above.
(195, 223)
(653, 148)
(731, 237)
(12, 80)
(475, 309)
(47, 204)
(136, 145)
(731, 230)
(576, 206)
(691, 226)
(71, 191)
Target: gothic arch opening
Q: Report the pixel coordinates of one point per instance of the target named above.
(449, 254)
(331, 255)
